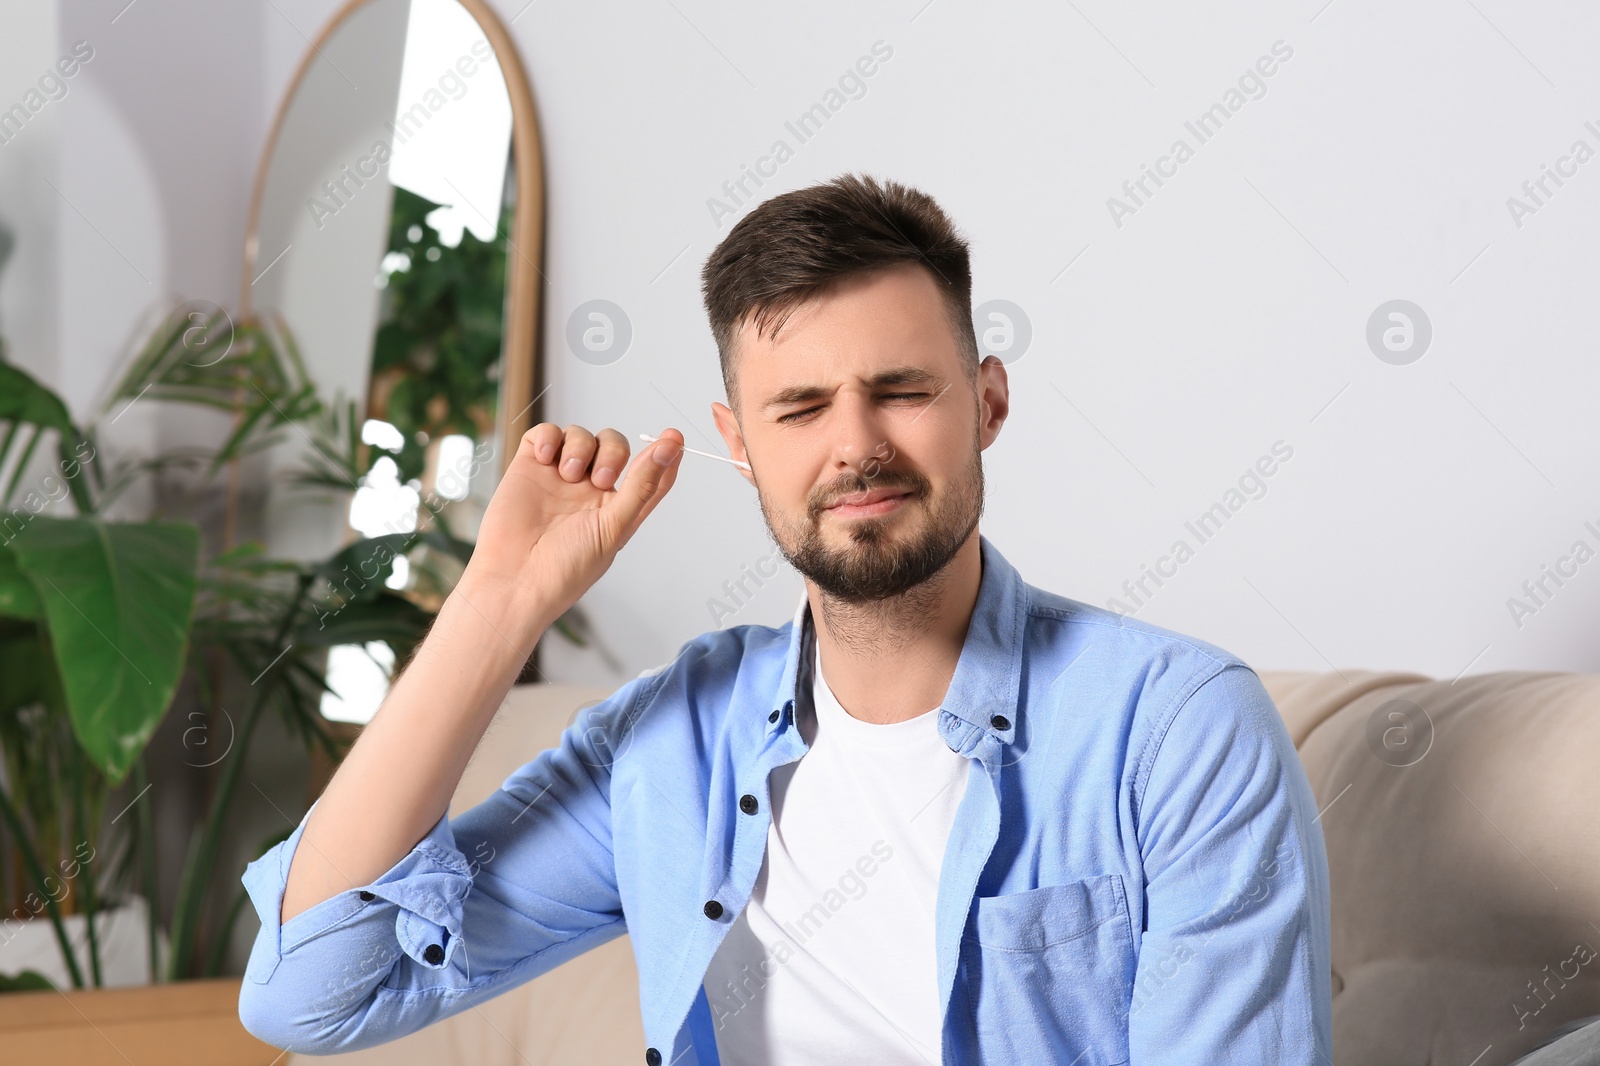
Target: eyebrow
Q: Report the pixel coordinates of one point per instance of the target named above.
(898, 375)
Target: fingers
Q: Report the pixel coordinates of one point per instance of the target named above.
(611, 455)
(649, 476)
(545, 440)
(574, 451)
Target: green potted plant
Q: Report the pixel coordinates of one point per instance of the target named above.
(102, 620)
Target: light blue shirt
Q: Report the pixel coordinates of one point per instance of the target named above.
(1136, 873)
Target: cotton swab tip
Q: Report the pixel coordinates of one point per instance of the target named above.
(696, 451)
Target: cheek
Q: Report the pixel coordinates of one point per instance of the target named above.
(785, 486)
(941, 455)
(791, 467)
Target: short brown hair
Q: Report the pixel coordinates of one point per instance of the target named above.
(794, 246)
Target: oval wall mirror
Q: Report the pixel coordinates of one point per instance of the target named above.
(394, 238)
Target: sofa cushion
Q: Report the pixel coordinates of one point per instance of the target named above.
(1460, 822)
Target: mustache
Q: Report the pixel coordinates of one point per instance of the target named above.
(855, 483)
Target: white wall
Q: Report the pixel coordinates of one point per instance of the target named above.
(1168, 354)
(28, 167)
(1227, 314)
(157, 149)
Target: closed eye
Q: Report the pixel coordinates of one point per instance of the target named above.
(796, 415)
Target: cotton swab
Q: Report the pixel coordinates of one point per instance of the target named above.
(694, 451)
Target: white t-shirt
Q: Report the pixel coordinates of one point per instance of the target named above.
(833, 959)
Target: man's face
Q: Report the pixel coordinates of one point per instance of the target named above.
(864, 433)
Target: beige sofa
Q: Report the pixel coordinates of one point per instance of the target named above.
(1463, 830)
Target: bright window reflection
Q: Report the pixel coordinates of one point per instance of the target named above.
(402, 572)
(382, 505)
(453, 478)
(359, 677)
(452, 121)
(381, 434)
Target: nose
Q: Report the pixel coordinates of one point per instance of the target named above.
(859, 440)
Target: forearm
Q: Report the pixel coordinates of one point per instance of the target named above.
(397, 780)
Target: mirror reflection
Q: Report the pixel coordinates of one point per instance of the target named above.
(379, 245)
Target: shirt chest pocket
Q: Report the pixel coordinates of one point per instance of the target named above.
(1047, 975)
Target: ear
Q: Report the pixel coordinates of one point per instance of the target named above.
(994, 396)
(728, 426)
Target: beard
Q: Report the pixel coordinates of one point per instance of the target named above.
(876, 564)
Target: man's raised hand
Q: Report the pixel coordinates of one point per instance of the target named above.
(558, 517)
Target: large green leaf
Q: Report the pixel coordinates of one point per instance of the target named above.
(361, 570)
(22, 399)
(118, 599)
(386, 616)
(27, 673)
(17, 598)
(27, 410)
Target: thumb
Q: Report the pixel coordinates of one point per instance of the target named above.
(644, 483)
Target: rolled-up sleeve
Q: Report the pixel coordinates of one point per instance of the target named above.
(1234, 959)
(502, 893)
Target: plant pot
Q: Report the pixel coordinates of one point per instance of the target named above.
(123, 933)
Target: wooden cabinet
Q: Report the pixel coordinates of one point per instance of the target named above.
(188, 1022)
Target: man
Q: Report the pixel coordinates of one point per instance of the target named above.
(940, 816)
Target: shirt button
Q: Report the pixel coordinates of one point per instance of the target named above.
(748, 804)
(367, 897)
(652, 1057)
(713, 909)
(434, 955)
(1000, 722)
(773, 717)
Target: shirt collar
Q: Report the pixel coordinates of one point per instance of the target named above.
(984, 690)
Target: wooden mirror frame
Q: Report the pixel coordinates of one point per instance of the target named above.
(519, 342)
